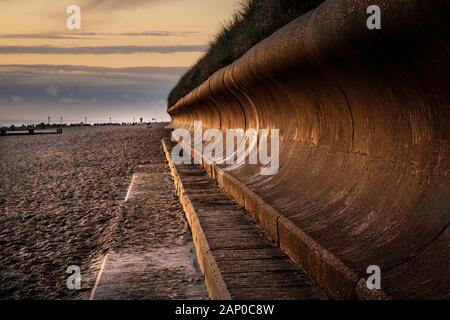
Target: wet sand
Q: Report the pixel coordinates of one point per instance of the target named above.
(62, 203)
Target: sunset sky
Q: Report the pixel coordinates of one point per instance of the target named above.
(122, 63)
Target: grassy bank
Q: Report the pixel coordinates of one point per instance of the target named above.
(256, 20)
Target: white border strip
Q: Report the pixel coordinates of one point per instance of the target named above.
(99, 276)
(129, 188)
(102, 267)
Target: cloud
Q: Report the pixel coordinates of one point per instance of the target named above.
(18, 69)
(42, 36)
(152, 33)
(92, 100)
(52, 90)
(96, 92)
(96, 35)
(68, 100)
(101, 50)
(16, 99)
(118, 4)
(88, 86)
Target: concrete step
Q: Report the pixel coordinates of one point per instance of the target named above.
(239, 262)
(154, 255)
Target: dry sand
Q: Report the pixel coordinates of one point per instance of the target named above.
(61, 204)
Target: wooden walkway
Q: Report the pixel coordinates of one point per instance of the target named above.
(238, 261)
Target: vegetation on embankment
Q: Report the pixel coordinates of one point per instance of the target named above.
(256, 20)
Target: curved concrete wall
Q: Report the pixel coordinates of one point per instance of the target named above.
(364, 119)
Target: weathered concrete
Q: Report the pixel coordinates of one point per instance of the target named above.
(365, 143)
(154, 256)
(238, 261)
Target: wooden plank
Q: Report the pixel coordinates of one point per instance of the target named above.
(238, 260)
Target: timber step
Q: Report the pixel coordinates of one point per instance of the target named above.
(239, 262)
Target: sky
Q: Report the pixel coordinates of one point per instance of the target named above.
(122, 63)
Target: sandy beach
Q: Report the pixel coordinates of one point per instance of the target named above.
(62, 203)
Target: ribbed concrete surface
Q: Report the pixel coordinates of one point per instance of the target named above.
(365, 136)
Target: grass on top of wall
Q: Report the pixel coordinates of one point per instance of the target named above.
(255, 21)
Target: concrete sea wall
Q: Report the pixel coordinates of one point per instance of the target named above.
(364, 119)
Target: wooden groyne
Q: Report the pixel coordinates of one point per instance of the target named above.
(29, 131)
